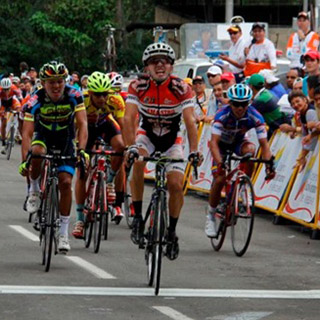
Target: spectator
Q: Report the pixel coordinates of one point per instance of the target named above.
(272, 83)
(227, 79)
(261, 54)
(33, 74)
(302, 41)
(236, 56)
(23, 67)
(222, 65)
(201, 99)
(312, 82)
(84, 82)
(292, 75)
(297, 84)
(76, 79)
(214, 76)
(266, 103)
(220, 95)
(312, 62)
(202, 48)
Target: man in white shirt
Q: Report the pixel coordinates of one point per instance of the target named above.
(302, 41)
(236, 56)
(214, 76)
(261, 54)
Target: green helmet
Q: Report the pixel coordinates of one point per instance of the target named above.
(99, 82)
(53, 70)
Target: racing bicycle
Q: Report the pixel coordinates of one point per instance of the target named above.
(237, 209)
(12, 114)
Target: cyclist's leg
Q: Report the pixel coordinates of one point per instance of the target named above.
(246, 147)
(137, 187)
(3, 127)
(175, 174)
(38, 147)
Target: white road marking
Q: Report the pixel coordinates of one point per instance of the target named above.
(171, 313)
(174, 292)
(97, 272)
(241, 316)
(26, 233)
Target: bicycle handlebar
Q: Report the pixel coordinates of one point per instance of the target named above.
(248, 157)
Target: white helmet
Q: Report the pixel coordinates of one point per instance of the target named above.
(6, 83)
(158, 49)
(116, 80)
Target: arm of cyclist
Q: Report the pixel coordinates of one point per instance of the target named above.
(215, 152)
(129, 124)
(190, 123)
(267, 155)
(82, 126)
(27, 133)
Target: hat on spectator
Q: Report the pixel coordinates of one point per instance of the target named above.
(197, 78)
(234, 28)
(227, 76)
(258, 25)
(313, 54)
(85, 76)
(303, 14)
(188, 81)
(220, 63)
(268, 75)
(33, 69)
(257, 80)
(214, 70)
(15, 80)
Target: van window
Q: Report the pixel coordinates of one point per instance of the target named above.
(202, 71)
(183, 70)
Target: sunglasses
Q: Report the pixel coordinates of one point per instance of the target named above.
(232, 33)
(212, 75)
(237, 104)
(291, 77)
(197, 82)
(100, 94)
(157, 60)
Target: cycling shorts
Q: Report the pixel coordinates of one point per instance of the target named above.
(175, 151)
(53, 141)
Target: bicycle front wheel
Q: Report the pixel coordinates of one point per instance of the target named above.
(242, 215)
(50, 214)
(10, 142)
(100, 210)
(160, 212)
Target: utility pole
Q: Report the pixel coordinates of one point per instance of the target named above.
(229, 10)
(305, 5)
(316, 15)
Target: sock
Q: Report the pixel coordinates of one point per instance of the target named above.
(137, 208)
(79, 211)
(111, 176)
(34, 185)
(64, 225)
(119, 199)
(211, 212)
(172, 224)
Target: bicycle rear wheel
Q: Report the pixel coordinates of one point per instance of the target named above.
(10, 142)
(128, 205)
(242, 215)
(50, 214)
(99, 211)
(105, 223)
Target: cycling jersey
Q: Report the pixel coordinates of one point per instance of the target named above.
(14, 91)
(232, 130)
(11, 104)
(114, 105)
(54, 116)
(160, 107)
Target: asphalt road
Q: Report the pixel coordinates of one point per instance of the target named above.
(276, 279)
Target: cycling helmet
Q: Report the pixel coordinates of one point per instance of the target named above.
(116, 80)
(6, 83)
(240, 93)
(53, 70)
(158, 49)
(99, 82)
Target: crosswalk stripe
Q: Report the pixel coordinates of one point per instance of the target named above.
(171, 313)
(26, 233)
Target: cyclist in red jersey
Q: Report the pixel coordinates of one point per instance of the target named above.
(161, 99)
(8, 101)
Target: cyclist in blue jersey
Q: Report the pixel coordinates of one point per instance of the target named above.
(49, 117)
(229, 134)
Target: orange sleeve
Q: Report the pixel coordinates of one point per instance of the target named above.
(313, 44)
(290, 41)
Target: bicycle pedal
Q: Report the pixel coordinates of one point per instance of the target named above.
(142, 244)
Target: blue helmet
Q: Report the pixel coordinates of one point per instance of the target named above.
(240, 93)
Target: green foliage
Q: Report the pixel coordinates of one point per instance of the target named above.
(70, 30)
